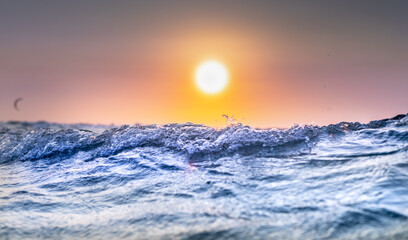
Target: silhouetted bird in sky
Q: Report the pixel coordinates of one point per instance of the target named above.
(15, 104)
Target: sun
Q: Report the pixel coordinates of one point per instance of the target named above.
(211, 77)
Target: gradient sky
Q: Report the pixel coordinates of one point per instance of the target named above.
(133, 61)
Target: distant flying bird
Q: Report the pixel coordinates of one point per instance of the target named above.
(15, 104)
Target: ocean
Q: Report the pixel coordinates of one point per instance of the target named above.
(188, 181)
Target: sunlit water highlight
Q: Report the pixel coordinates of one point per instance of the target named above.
(186, 181)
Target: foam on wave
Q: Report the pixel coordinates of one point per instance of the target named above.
(32, 141)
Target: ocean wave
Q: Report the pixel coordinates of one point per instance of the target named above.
(32, 141)
(189, 181)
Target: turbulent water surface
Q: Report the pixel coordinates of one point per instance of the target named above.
(187, 181)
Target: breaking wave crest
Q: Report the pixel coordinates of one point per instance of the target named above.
(32, 141)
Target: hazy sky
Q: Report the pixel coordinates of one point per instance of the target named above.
(133, 61)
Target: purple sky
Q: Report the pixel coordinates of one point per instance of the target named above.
(132, 61)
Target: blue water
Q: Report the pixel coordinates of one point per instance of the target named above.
(187, 181)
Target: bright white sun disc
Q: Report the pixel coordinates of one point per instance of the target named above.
(211, 77)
